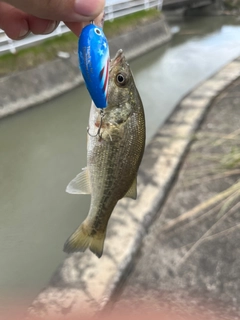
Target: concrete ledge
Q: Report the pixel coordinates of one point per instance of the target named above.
(84, 284)
(31, 87)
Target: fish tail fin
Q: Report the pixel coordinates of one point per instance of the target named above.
(82, 239)
(97, 243)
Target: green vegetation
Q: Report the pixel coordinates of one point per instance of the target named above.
(231, 160)
(129, 22)
(222, 161)
(231, 4)
(47, 50)
(33, 56)
(217, 159)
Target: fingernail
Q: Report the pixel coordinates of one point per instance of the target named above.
(24, 30)
(52, 25)
(82, 8)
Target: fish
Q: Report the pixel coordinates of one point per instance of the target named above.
(116, 142)
(93, 52)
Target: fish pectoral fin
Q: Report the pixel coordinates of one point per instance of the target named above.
(80, 184)
(132, 192)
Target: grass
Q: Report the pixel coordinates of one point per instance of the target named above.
(31, 57)
(47, 50)
(220, 159)
(222, 205)
(231, 160)
(224, 162)
(231, 4)
(129, 22)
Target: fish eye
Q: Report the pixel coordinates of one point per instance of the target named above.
(121, 79)
(97, 31)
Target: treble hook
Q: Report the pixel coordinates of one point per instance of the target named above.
(100, 127)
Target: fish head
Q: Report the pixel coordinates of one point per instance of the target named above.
(121, 87)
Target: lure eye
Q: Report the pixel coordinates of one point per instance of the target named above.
(120, 79)
(97, 31)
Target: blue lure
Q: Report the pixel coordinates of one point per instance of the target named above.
(94, 60)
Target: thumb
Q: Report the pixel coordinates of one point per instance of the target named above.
(61, 10)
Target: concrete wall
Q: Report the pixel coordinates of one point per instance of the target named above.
(31, 87)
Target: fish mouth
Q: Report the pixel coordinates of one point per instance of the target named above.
(119, 57)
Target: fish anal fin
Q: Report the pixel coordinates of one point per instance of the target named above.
(132, 191)
(80, 184)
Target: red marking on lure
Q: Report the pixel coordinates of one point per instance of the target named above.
(101, 73)
(94, 63)
(106, 68)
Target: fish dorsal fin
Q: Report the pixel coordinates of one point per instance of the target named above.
(132, 192)
(80, 184)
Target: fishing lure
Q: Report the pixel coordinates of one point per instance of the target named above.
(94, 62)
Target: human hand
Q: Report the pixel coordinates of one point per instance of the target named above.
(19, 17)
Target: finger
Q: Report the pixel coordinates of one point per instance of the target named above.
(76, 27)
(41, 26)
(61, 10)
(17, 24)
(13, 21)
(99, 20)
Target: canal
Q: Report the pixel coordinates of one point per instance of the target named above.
(43, 148)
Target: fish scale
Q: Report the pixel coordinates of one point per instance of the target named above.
(115, 149)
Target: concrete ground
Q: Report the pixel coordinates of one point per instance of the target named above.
(191, 265)
(183, 258)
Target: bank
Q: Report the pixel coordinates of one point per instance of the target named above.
(84, 283)
(48, 80)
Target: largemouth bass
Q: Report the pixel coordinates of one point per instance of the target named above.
(116, 141)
